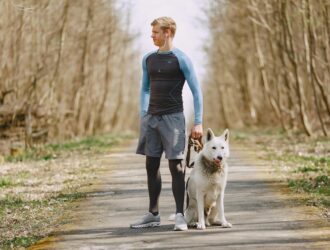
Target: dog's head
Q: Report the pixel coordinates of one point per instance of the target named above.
(216, 149)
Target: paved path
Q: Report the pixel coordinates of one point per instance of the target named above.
(262, 216)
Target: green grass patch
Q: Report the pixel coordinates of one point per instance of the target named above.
(40, 153)
(71, 196)
(23, 241)
(303, 161)
(306, 169)
(23, 174)
(317, 161)
(17, 203)
(19, 210)
(318, 187)
(24, 221)
(310, 175)
(6, 182)
(307, 164)
(13, 203)
(93, 144)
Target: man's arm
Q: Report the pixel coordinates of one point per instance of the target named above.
(145, 88)
(189, 73)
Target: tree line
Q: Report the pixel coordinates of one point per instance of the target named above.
(67, 68)
(269, 65)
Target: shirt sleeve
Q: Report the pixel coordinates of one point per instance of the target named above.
(189, 73)
(145, 88)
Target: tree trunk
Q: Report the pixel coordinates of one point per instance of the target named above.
(309, 36)
(262, 69)
(80, 122)
(299, 83)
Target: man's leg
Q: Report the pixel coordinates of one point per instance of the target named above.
(178, 183)
(178, 188)
(154, 183)
(152, 218)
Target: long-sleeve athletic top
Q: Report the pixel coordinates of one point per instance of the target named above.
(163, 77)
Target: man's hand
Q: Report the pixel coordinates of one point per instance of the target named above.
(197, 131)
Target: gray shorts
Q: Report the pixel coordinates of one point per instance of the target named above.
(160, 133)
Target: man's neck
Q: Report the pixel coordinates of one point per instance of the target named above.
(166, 47)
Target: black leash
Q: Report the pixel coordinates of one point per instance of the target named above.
(198, 146)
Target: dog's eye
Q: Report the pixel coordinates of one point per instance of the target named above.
(222, 147)
(214, 147)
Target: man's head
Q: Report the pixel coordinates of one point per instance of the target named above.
(163, 28)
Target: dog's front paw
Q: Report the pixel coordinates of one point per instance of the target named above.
(200, 226)
(222, 224)
(226, 224)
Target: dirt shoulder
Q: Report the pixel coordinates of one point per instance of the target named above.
(38, 186)
(300, 162)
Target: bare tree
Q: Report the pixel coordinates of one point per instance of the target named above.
(273, 63)
(58, 69)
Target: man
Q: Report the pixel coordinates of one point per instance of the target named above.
(162, 120)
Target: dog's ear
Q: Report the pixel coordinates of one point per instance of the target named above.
(226, 134)
(210, 134)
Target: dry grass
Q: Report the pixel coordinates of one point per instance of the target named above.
(303, 162)
(35, 193)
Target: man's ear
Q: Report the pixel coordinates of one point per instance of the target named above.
(167, 33)
(226, 134)
(209, 135)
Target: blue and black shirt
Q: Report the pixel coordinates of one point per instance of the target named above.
(163, 77)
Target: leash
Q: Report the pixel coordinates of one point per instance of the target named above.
(198, 146)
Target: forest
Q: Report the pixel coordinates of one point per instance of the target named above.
(269, 65)
(61, 71)
(70, 76)
(63, 68)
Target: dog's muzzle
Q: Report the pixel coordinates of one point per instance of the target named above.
(218, 161)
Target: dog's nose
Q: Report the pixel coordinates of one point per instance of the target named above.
(219, 158)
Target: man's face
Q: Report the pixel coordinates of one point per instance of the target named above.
(158, 35)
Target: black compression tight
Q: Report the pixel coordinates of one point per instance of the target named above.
(178, 185)
(155, 182)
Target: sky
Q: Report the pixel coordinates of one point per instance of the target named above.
(190, 36)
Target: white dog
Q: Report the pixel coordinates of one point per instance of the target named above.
(207, 182)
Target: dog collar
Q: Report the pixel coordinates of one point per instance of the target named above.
(211, 167)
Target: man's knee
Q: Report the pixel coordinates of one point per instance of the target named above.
(176, 166)
(152, 163)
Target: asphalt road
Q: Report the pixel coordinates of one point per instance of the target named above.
(263, 214)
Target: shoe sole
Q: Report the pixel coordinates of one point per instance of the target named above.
(151, 224)
(180, 228)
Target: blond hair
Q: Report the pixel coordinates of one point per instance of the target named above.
(165, 23)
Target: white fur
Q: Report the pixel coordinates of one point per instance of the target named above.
(206, 190)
